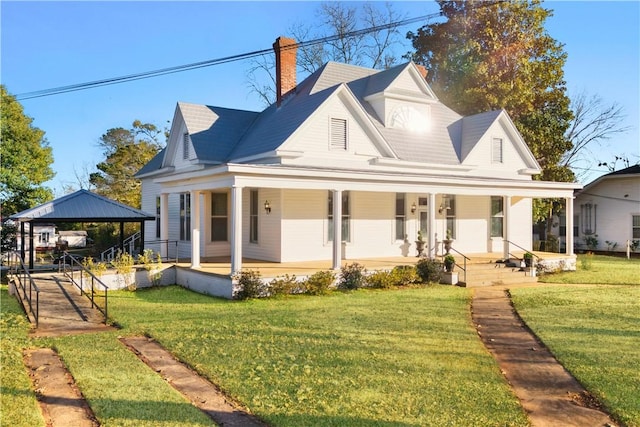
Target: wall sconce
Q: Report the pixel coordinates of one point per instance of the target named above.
(413, 207)
(267, 207)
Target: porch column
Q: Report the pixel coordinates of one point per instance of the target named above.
(431, 239)
(506, 228)
(337, 229)
(236, 229)
(195, 229)
(569, 228)
(164, 226)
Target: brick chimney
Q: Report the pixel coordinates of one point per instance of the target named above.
(422, 70)
(285, 50)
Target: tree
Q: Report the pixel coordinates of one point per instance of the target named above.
(373, 49)
(497, 55)
(593, 122)
(26, 159)
(126, 152)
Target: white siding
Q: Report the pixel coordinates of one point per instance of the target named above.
(268, 246)
(304, 225)
(150, 191)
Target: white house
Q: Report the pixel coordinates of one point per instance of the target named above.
(376, 149)
(608, 210)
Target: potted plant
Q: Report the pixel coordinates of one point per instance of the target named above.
(528, 259)
(449, 263)
(419, 244)
(447, 242)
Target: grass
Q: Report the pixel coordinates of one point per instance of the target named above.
(595, 332)
(18, 404)
(600, 270)
(396, 358)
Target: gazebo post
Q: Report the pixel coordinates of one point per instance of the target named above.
(121, 237)
(31, 249)
(141, 237)
(22, 240)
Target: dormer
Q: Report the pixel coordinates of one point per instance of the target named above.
(402, 99)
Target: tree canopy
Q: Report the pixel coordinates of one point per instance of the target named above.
(498, 55)
(126, 152)
(26, 159)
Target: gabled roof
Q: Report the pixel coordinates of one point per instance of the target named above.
(82, 206)
(622, 173)
(631, 170)
(474, 127)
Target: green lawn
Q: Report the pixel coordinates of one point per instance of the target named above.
(595, 333)
(599, 270)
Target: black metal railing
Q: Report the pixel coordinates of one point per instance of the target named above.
(170, 249)
(86, 282)
(526, 251)
(26, 287)
(463, 267)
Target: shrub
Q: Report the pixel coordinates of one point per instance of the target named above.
(351, 276)
(97, 268)
(404, 275)
(591, 242)
(250, 284)
(123, 263)
(319, 282)
(381, 280)
(429, 270)
(153, 264)
(586, 261)
(284, 285)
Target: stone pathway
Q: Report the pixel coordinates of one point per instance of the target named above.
(204, 395)
(548, 393)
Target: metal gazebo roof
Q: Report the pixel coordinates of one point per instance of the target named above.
(82, 206)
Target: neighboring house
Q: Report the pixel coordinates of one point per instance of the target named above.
(375, 149)
(44, 237)
(74, 238)
(608, 210)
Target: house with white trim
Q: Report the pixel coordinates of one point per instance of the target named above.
(375, 151)
(608, 210)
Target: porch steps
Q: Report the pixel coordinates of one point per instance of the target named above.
(485, 273)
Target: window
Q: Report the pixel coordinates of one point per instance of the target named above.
(157, 217)
(635, 225)
(497, 151)
(219, 217)
(563, 225)
(401, 216)
(589, 218)
(449, 201)
(185, 146)
(253, 216)
(185, 216)
(497, 216)
(338, 134)
(44, 237)
(346, 237)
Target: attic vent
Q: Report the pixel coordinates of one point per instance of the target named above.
(496, 153)
(185, 146)
(338, 134)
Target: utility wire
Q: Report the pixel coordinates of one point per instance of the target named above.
(217, 61)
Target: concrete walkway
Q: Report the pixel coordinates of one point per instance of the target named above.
(548, 393)
(63, 311)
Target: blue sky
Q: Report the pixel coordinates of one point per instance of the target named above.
(51, 44)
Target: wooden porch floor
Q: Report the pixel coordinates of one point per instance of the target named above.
(222, 265)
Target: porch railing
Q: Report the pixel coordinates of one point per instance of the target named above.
(520, 247)
(26, 287)
(170, 248)
(85, 279)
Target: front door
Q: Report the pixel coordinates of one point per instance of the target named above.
(423, 221)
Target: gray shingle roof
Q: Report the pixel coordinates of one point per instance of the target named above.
(83, 205)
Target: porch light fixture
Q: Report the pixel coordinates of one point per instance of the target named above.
(413, 207)
(267, 207)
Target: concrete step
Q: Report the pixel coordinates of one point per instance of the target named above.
(495, 274)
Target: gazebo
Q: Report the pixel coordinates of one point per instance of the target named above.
(81, 206)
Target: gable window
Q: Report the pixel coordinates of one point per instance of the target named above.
(497, 216)
(635, 226)
(185, 216)
(338, 134)
(401, 216)
(185, 146)
(346, 237)
(157, 217)
(497, 155)
(253, 216)
(219, 217)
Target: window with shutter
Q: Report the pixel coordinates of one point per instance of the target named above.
(338, 134)
(185, 146)
(497, 155)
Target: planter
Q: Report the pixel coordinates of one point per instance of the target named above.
(419, 247)
(447, 245)
(449, 278)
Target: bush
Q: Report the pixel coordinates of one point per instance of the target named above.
(153, 264)
(351, 276)
(429, 270)
(284, 285)
(123, 263)
(319, 282)
(250, 284)
(381, 280)
(586, 261)
(404, 275)
(97, 268)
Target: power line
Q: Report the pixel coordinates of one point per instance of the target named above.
(213, 62)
